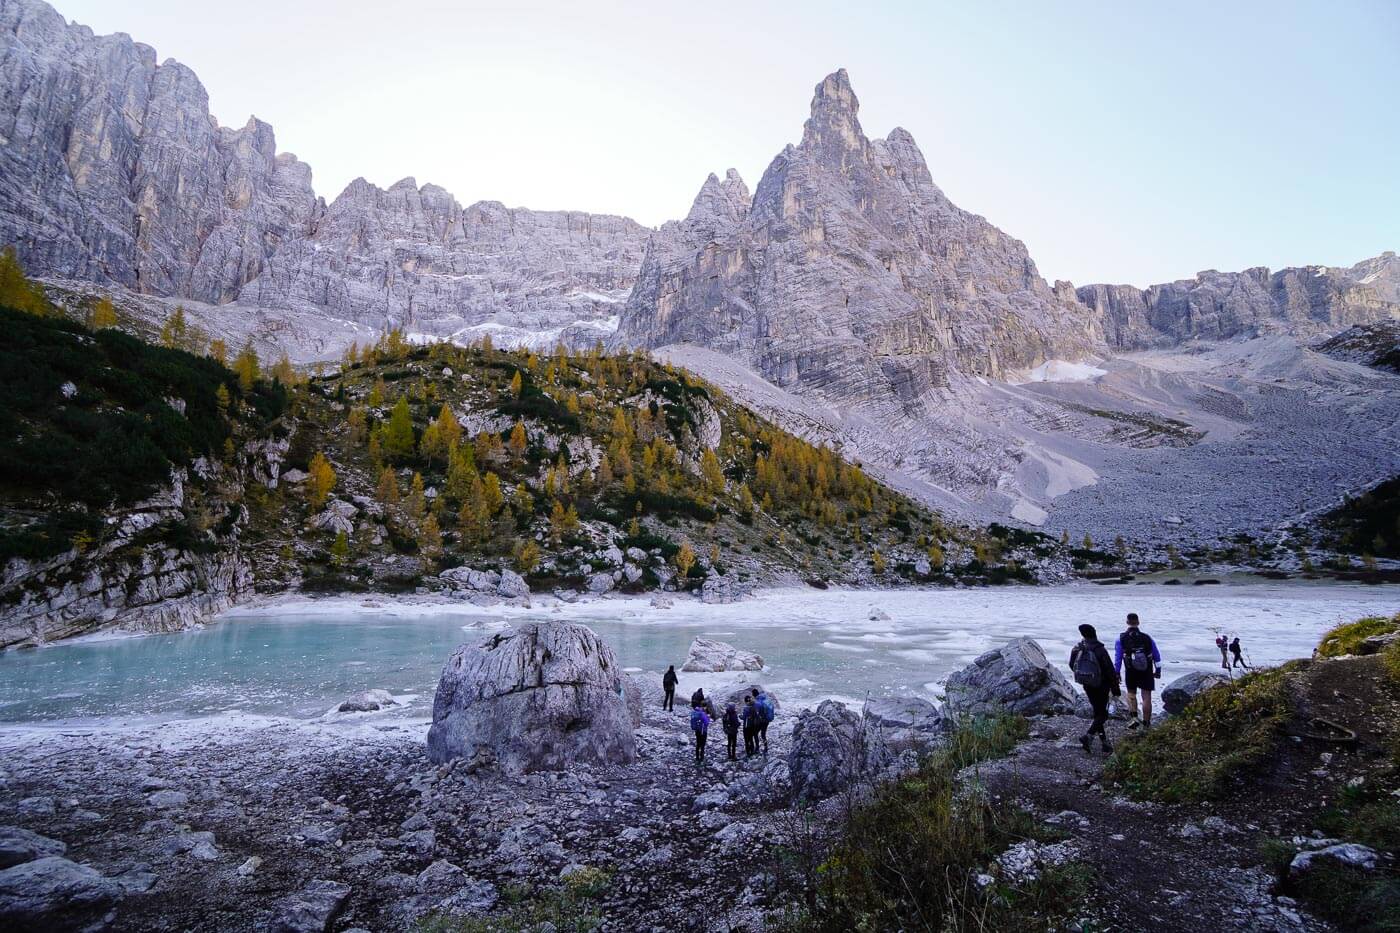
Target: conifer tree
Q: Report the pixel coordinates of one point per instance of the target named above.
(714, 475)
(526, 556)
(388, 490)
(376, 393)
(320, 481)
(340, 550)
(461, 472)
(877, 562)
(1088, 542)
(218, 351)
(430, 538)
(417, 502)
(473, 520)
(246, 365)
(16, 290)
(398, 437)
(517, 385)
(491, 493)
(104, 314)
(221, 398)
(356, 426)
(684, 560)
(517, 440)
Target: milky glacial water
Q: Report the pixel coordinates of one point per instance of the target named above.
(301, 659)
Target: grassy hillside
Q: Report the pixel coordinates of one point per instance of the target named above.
(444, 456)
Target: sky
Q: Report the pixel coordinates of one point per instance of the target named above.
(1123, 142)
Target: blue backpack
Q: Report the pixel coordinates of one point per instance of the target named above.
(699, 722)
(765, 708)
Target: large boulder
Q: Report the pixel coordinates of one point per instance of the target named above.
(1180, 692)
(52, 893)
(632, 693)
(543, 696)
(311, 909)
(708, 656)
(906, 722)
(832, 748)
(721, 588)
(1015, 677)
(367, 701)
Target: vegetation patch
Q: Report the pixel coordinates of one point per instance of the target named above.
(570, 908)
(1346, 639)
(1199, 754)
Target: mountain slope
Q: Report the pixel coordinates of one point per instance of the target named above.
(113, 171)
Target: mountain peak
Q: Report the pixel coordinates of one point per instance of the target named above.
(720, 200)
(834, 114)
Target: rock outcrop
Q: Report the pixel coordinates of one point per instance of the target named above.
(832, 748)
(539, 697)
(708, 655)
(850, 273)
(906, 722)
(52, 893)
(1016, 678)
(1180, 692)
(114, 171)
(1307, 302)
(1376, 344)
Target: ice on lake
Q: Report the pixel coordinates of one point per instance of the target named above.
(300, 658)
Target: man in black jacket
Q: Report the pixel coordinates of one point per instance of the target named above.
(668, 683)
(1094, 671)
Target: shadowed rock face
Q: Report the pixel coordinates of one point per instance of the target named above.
(114, 171)
(850, 273)
(1307, 302)
(538, 697)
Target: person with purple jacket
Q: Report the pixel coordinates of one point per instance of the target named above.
(1144, 668)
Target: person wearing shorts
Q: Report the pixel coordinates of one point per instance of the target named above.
(1136, 658)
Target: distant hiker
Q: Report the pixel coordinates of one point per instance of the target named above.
(764, 703)
(1094, 672)
(750, 715)
(668, 683)
(1144, 666)
(731, 730)
(697, 698)
(1235, 649)
(1223, 643)
(700, 725)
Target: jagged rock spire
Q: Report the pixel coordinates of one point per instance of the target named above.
(834, 121)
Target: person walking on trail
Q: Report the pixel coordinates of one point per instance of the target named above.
(731, 730)
(1144, 667)
(764, 704)
(697, 698)
(1223, 644)
(750, 717)
(1235, 649)
(700, 725)
(668, 683)
(1094, 672)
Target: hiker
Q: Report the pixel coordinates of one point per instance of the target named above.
(700, 725)
(731, 730)
(750, 716)
(764, 703)
(668, 683)
(1094, 672)
(1235, 649)
(1223, 643)
(1144, 667)
(697, 698)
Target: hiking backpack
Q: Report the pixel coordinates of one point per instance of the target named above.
(765, 708)
(1135, 646)
(1087, 670)
(698, 720)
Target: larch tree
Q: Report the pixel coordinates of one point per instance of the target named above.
(104, 314)
(398, 437)
(518, 440)
(684, 560)
(320, 481)
(247, 366)
(218, 351)
(387, 491)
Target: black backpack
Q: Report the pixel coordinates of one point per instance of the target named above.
(1137, 648)
(1087, 669)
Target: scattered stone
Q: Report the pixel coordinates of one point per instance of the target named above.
(250, 866)
(368, 701)
(706, 655)
(167, 799)
(1346, 853)
(33, 807)
(311, 909)
(52, 893)
(600, 583)
(19, 845)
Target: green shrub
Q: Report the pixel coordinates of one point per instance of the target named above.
(571, 908)
(1347, 638)
(1197, 754)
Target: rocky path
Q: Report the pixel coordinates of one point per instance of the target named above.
(1156, 867)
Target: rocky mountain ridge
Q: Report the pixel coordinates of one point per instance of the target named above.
(113, 171)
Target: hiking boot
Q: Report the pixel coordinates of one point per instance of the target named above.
(1107, 748)
(1135, 724)
(1086, 742)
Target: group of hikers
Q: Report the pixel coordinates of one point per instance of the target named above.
(755, 716)
(1136, 666)
(1227, 647)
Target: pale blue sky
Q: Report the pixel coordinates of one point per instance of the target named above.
(1123, 141)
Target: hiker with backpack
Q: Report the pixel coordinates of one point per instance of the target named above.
(668, 683)
(750, 716)
(1223, 644)
(697, 698)
(1235, 649)
(700, 725)
(764, 703)
(1094, 672)
(731, 730)
(1144, 668)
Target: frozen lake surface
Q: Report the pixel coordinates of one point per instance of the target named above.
(300, 658)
